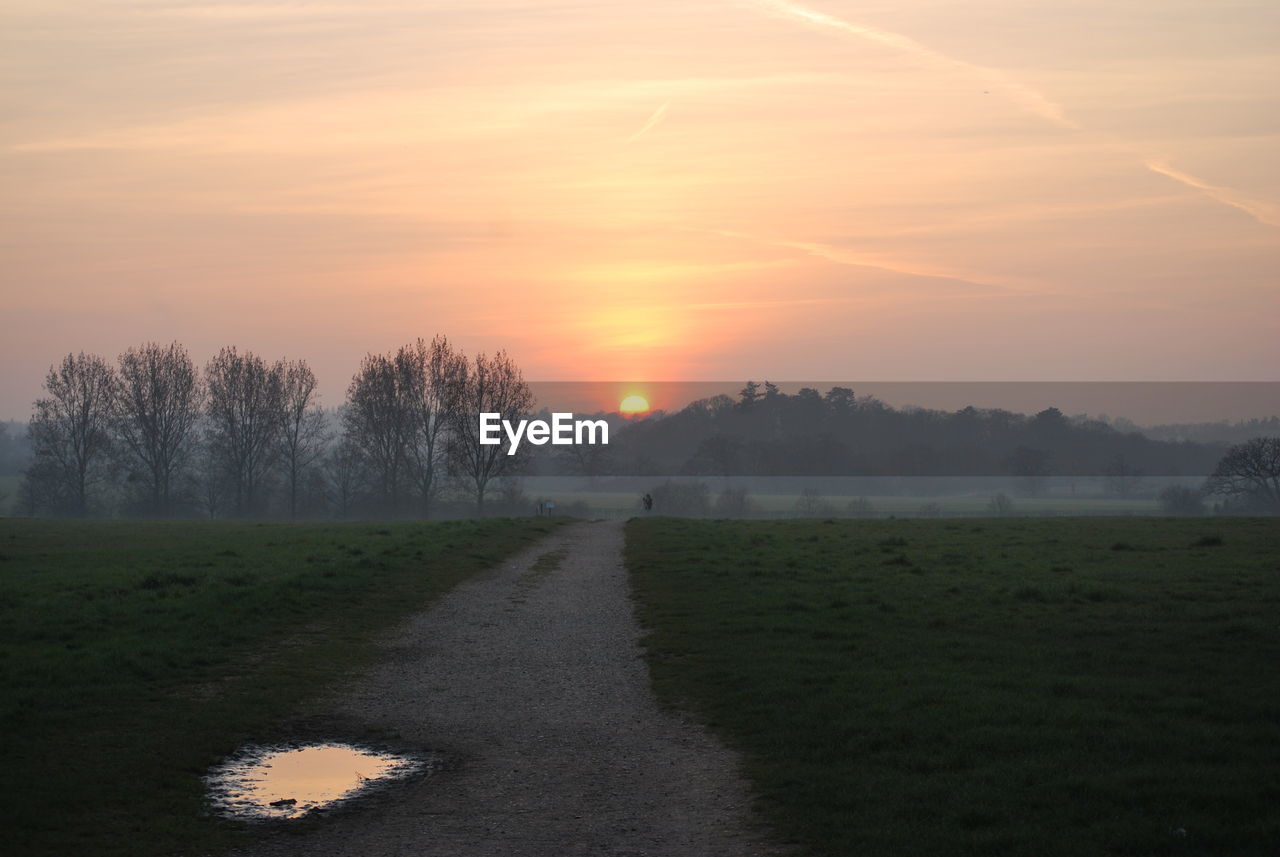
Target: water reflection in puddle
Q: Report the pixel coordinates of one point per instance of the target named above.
(266, 782)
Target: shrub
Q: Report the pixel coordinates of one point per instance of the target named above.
(1000, 504)
(1181, 500)
(682, 499)
(861, 508)
(734, 502)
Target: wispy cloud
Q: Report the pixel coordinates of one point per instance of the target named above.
(1259, 210)
(1025, 97)
(879, 261)
(656, 118)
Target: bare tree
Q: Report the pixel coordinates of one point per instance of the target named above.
(490, 385)
(1032, 467)
(432, 376)
(303, 432)
(379, 424)
(344, 476)
(209, 482)
(1250, 472)
(246, 409)
(157, 407)
(71, 433)
(1121, 477)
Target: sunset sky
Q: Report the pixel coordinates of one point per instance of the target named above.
(906, 190)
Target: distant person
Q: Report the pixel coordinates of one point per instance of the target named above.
(648, 503)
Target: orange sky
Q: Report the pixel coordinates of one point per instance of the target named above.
(915, 190)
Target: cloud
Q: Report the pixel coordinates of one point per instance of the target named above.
(656, 118)
(1025, 97)
(864, 259)
(1264, 212)
(1028, 99)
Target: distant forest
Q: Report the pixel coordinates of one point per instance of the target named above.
(152, 434)
(764, 432)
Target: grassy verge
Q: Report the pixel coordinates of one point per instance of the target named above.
(1012, 687)
(135, 654)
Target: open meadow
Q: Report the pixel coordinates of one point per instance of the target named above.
(134, 654)
(982, 686)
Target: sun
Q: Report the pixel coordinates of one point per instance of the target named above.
(634, 405)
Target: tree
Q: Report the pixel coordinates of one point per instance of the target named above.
(812, 504)
(70, 433)
(157, 407)
(1000, 505)
(1181, 500)
(717, 455)
(1249, 474)
(682, 499)
(303, 432)
(246, 415)
(1032, 467)
(1122, 478)
(488, 385)
(432, 376)
(378, 424)
(345, 476)
(733, 501)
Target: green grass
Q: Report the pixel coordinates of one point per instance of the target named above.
(135, 654)
(951, 687)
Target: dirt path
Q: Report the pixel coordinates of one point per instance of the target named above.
(531, 684)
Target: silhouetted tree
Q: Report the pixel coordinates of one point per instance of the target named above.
(811, 504)
(71, 434)
(345, 476)
(682, 499)
(303, 431)
(1250, 474)
(1181, 500)
(1121, 478)
(733, 501)
(433, 376)
(1032, 467)
(157, 408)
(717, 455)
(379, 423)
(489, 385)
(246, 415)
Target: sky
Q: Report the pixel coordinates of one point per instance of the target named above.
(909, 190)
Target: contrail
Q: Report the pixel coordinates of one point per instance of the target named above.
(651, 124)
(1263, 212)
(853, 258)
(1025, 97)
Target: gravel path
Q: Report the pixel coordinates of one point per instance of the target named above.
(531, 685)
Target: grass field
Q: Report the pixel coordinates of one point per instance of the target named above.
(135, 654)
(1099, 686)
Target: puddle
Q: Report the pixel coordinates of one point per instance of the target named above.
(289, 782)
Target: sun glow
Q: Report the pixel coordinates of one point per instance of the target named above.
(634, 405)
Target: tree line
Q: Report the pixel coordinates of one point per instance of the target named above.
(154, 435)
(765, 432)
